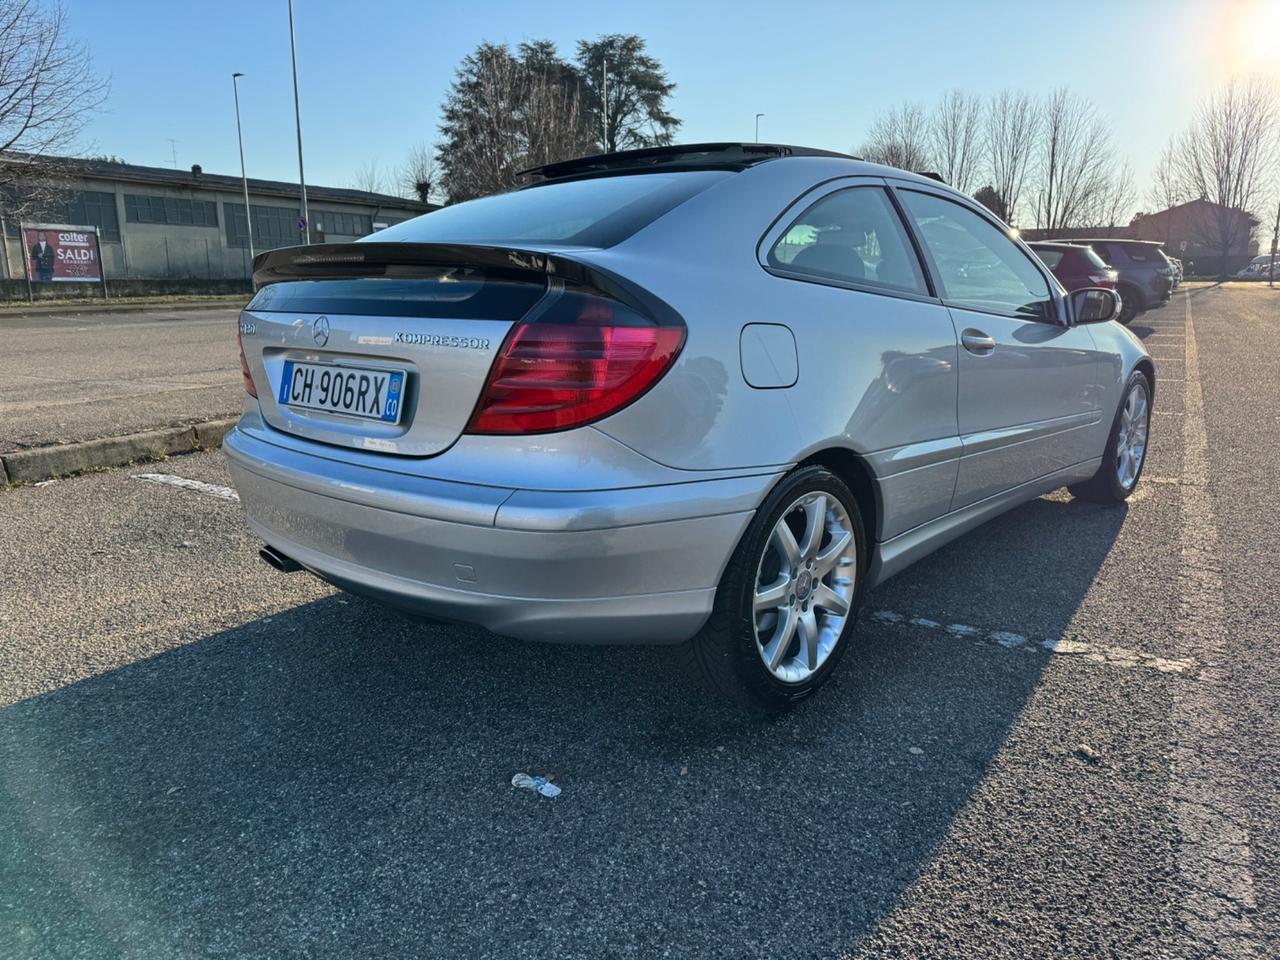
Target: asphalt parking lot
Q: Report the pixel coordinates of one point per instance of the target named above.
(1058, 736)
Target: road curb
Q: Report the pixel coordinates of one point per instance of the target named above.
(43, 310)
(65, 459)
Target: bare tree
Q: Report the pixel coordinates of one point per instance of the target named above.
(1224, 155)
(955, 139)
(369, 178)
(419, 177)
(899, 138)
(47, 91)
(1167, 189)
(1012, 125)
(1115, 199)
(1074, 160)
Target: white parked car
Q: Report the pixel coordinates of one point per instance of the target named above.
(1258, 268)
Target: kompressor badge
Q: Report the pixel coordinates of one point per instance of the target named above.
(435, 340)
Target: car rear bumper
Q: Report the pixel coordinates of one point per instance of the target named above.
(631, 565)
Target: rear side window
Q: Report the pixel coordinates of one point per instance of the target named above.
(853, 236)
(1050, 257)
(979, 266)
(1134, 252)
(597, 212)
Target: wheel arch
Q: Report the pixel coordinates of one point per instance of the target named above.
(1128, 290)
(1148, 367)
(859, 477)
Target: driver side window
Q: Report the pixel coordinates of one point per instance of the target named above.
(980, 268)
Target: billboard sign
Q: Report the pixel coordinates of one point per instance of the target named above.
(61, 253)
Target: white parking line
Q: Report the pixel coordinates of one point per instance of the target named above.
(1093, 653)
(1174, 480)
(199, 486)
(1215, 857)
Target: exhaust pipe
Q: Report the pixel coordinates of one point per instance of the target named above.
(274, 558)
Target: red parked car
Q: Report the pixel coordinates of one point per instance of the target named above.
(1075, 266)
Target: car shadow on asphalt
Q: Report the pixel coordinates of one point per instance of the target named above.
(335, 780)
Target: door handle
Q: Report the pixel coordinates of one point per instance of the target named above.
(975, 341)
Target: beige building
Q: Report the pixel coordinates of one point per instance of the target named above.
(158, 223)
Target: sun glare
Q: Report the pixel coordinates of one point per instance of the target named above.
(1251, 37)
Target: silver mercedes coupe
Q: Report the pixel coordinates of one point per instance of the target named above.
(705, 395)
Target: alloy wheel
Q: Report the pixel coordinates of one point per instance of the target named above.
(1131, 442)
(804, 587)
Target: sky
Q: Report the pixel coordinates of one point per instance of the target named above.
(373, 73)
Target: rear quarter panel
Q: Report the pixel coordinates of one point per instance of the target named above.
(875, 372)
(1119, 353)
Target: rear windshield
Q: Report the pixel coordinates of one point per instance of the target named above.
(1091, 255)
(596, 212)
(1138, 252)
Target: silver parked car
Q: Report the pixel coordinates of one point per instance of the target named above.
(703, 395)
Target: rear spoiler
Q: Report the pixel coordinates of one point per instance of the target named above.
(353, 261)
(340, 261)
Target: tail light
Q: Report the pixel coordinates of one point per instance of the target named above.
(244, 365)
(583, 359)
(1105, 279)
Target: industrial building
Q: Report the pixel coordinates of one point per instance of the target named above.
(163, 224)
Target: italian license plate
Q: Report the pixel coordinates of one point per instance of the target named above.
(351, 391)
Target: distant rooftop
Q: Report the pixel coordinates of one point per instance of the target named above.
(195, 178)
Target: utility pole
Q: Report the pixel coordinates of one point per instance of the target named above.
(604, 104)
(173, 152)
(304, 225)
(1275, 240)
(244, 180)
(758, 116)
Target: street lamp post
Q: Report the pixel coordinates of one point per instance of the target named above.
(758, 116)
(244, 180)
(305, 225)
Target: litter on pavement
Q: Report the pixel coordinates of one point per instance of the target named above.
(542, 785)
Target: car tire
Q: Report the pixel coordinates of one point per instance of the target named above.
(1118, 477)
(817, 578)
(1130, 305)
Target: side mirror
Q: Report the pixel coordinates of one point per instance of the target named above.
(1094, 305)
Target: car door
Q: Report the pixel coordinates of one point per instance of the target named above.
(1027, 378)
